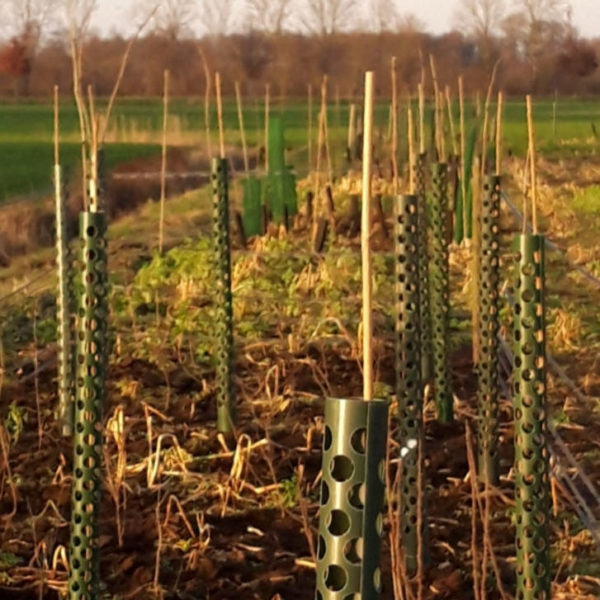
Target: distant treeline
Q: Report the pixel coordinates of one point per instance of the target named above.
(563, 64)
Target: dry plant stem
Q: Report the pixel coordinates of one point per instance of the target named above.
(240, 111)
(532, 165)
(475, 570)
(220, 115)
(463, 151)
(499, 133)
(207, 94)
(121, 72)
(8, 477)
(163, 168)
(486, 120)
(395, 125)
(267, 117)
(484, 511)
(36, 381)
(366, 239)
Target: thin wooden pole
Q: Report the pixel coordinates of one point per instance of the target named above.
(326, 129)
(240, 110)
(351, 131)
(56, 128)
(499, 133)
(163, 169)
(220, 115)
(451, 121)
(422, 118)
(207, 95)
(532, 165)
(395, 125)
(366, 239)
(411, 149)
(267, 117)
(310, 125)
(463, 152)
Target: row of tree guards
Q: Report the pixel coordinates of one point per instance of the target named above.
(354, 446)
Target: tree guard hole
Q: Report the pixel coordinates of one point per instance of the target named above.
(359, 441)
(335, 578)
(339, 523)
(342, 468)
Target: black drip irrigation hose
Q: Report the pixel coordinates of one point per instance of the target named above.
(595, 281)
(558, 446)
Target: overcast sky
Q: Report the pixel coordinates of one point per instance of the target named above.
(438, 15)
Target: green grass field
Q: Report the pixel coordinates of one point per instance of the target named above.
(26, 133)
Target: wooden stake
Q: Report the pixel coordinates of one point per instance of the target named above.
(267, 117)
(310, 125)
(451, 121)
(486, 121)
(163, 170)
(326, 129)
(411, 149)
(351, 131)
(499, 134)
(56, 129)
(532, 165)
(366, 239)
(439, 134)
(422, 118)
(207, 95)
(395, 172)
(463, 151)
(240, 110)
(220, 115)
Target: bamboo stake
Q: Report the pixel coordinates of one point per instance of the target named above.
(351, 131)
(267, 117)
(163, 170)
(238, 97)
(422, 119)
(93, 180)
(532, 165)
(438, 133)
(220, 115)
(451, 121)
(486, 121)
(441, 126)
(366, 239)
(395, 125)
(326, 129)
(499, 133)
(411, 150)
(463, 151)
(56, 128)
(310, 124)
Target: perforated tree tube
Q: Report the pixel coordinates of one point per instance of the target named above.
(352, 495)
(409, 391)
(66, 375)
(532, 486)
(439, 273)
(489, 327)
(92, 314)
(226, 410)
(425, 305)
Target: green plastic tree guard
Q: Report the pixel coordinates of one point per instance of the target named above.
(532, 485)
(489, 327)
(439, 273)
(352, 500)
(92, 316)
(226, 410)
(409, 390)
(66, 350)
(425, 305)
(252, 207)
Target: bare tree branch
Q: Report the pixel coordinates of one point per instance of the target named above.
(326, 17)
(269, 15)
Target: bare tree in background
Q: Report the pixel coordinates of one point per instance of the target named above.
(538, 25)
(26, 21)
(269, 15)
(383, 15)
(174, 18)
(325, 17)
(217, 17)
(480, 18)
